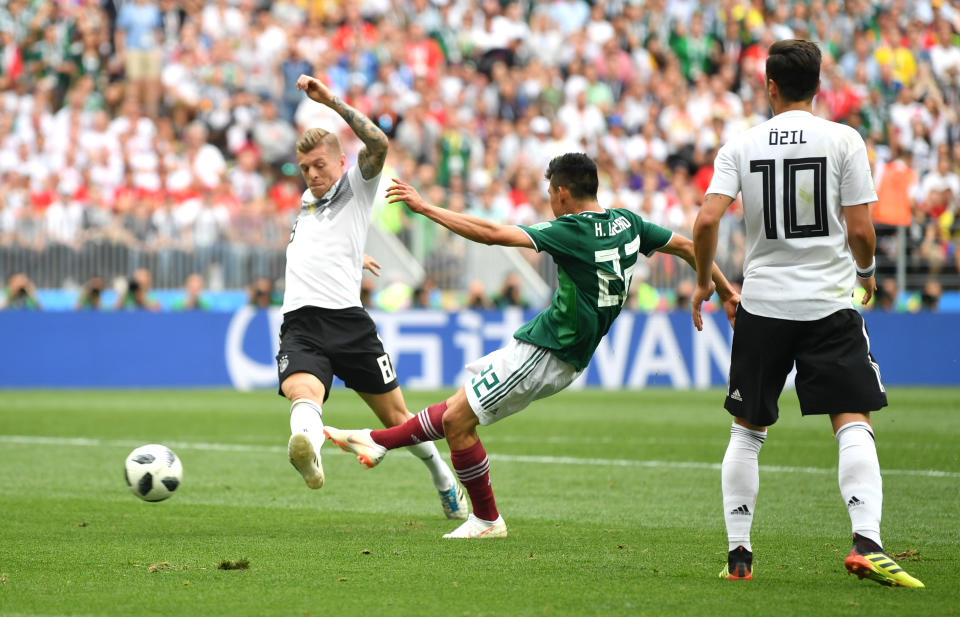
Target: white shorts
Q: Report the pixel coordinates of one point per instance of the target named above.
(508, 379)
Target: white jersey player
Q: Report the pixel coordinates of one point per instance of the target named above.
(326, 331)
(806, 188)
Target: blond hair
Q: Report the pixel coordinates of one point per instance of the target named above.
(313, 138)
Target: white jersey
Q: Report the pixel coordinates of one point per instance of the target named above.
(325, 254)
(796, 171)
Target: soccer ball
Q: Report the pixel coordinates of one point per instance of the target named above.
(153, 472)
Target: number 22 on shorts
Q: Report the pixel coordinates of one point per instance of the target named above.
(486, 380)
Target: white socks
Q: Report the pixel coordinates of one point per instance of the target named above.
(306, 416)
(439, 472)
(858, 472)
(740, 479)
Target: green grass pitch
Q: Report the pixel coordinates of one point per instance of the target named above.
(612, 500)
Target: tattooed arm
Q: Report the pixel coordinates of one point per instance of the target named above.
(374, 153)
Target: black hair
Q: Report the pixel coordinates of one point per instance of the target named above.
(575, 172)
(795, 67)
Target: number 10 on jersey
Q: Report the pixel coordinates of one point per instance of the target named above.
(791, 225)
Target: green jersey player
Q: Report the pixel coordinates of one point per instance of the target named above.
(596, 251)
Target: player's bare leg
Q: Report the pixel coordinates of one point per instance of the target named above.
(861, 486)
(305, 393)
(391, 409)
(473, 468)
(466, 452)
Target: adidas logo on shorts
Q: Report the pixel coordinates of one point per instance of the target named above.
(735, 395)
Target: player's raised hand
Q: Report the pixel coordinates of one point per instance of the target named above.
(371, 264)
(700, 295)
(401, 191)
(315, 89)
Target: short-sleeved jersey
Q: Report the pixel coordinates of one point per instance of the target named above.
(595, 253)
(325, 254)
(795, 172)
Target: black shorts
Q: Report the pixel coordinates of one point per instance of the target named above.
(836, 372)
(341, 342)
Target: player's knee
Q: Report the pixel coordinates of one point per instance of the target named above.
(303, 385)
(457, 423)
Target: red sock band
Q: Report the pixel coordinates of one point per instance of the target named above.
(473, 469)
(425, 426)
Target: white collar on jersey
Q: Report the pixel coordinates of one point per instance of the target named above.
(793, 112)
(308, 199)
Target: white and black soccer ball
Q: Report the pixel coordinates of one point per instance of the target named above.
(153, 472)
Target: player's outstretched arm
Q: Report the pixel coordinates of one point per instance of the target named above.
(470, 227)
(375, 142)
(862, 239)
(683, 248)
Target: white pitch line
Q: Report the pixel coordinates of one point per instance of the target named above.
(506, 458)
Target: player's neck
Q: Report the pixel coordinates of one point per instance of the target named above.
(585, 206)
(779, 108)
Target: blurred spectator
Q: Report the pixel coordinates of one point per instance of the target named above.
(273, 136)
(930, 298)
(263, 295)
(208, 219)
(885, 298)
(137, 295)
(285, 194)
(92, 295)
(934, 248)
(939, 191)
(20, 294)
(455, 148)
(423, 294)
(138, 41)
(246, 182)
(477, 297)
(291, 69)
(510, 293)
(695, 49)
(684, 291)
(945, 55)
(422, 54)
(192, 299)
(205, 162)
(896, 192)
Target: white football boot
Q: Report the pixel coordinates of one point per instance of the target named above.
(305, 459)
(478, 528)
(368, 452)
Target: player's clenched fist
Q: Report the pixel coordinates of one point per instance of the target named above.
(315, 89)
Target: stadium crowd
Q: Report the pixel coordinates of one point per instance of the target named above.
(160, 135)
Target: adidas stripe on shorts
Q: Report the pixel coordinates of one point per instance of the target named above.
(508, 379)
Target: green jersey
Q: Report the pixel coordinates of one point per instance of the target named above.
(595, 254)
